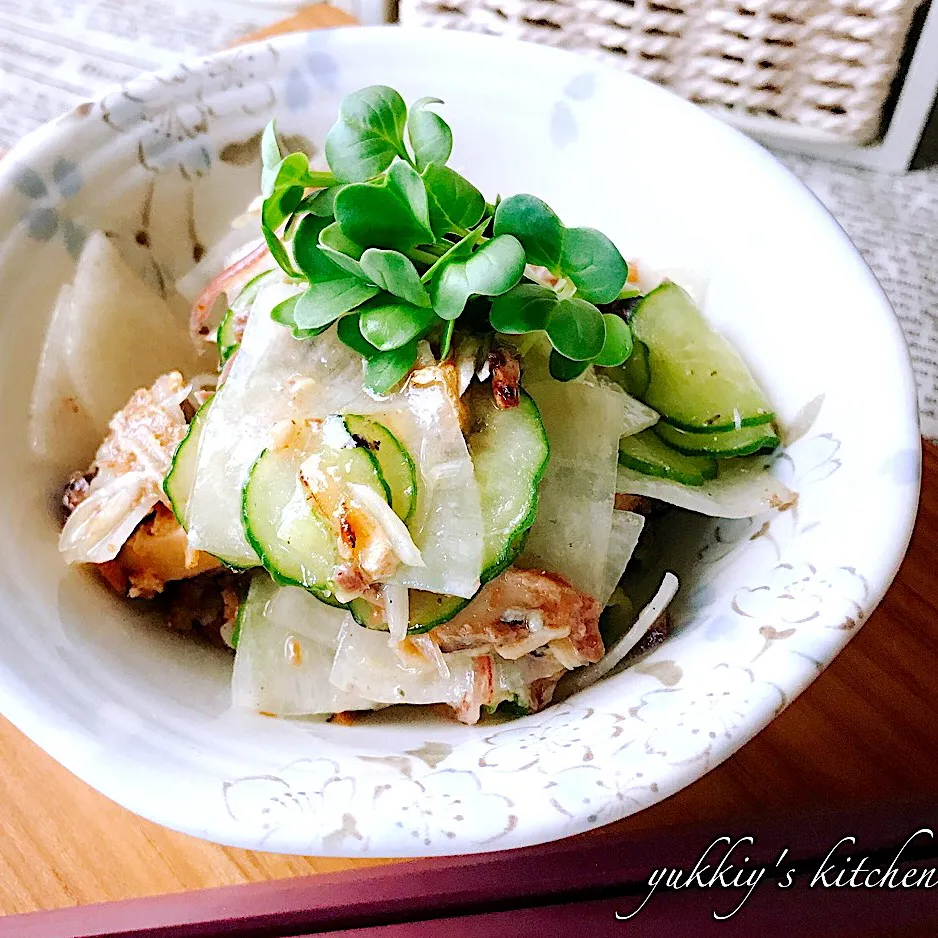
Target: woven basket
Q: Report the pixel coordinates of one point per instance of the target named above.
(822, 66)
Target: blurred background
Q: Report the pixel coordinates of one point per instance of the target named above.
(842, 91)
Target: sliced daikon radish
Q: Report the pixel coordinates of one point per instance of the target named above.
(120, 334)
(60, 429)
(743, 488)
(570, 536)
(365, 664)
(286, 641)
(447, 523)
(623, 539)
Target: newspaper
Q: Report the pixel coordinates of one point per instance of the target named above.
(55, 53)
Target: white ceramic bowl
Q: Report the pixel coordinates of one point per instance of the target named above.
(143, 716)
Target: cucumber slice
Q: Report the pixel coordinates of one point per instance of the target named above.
(427, 610)
(181, 476)
(697, 381)
(395, 463)
(509, 452)
(226, 337)
(742, 442)
(346, 459)
(287, 529)
(634, 374)
(294, 543)
(647, 453)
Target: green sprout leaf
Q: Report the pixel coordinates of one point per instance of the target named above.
(349, 331)
(390, 212)
(285, 314)
(564, 369)
(447, 339)
(387, 369)
(388, 322)
(279, 253)
(535, 225)
(292, 170)
(525, 308)
(271, 153)
(280, 206)
(375, 243)
(593, 264)
(326, 300)
(395, 273)
(270, 157)
(321, 202)
(491, 270)
(617, 346)
(455, 203)
(577, 329)
(461, 249)
(306, 251)
(584, 256)
(368, 134)
(430, 136)
(283, 311)
(341, 250)
(333, 289)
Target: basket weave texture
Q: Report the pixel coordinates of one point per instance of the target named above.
(822, 65)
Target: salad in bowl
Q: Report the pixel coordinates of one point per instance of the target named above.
(408, 449)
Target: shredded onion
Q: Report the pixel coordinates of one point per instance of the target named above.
(397, 611)
(394, 529)
(431, 652)
(425, 356)
(467, 354)
(646, 619)
(99, 526)
(201, 384)
(238, 271)
(421, 653)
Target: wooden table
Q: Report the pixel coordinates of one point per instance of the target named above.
(865, 731)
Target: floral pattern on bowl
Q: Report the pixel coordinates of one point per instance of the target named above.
(767, 603)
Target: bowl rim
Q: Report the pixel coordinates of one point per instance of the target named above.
(99, 774)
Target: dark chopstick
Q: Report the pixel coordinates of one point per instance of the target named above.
(579, 881)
